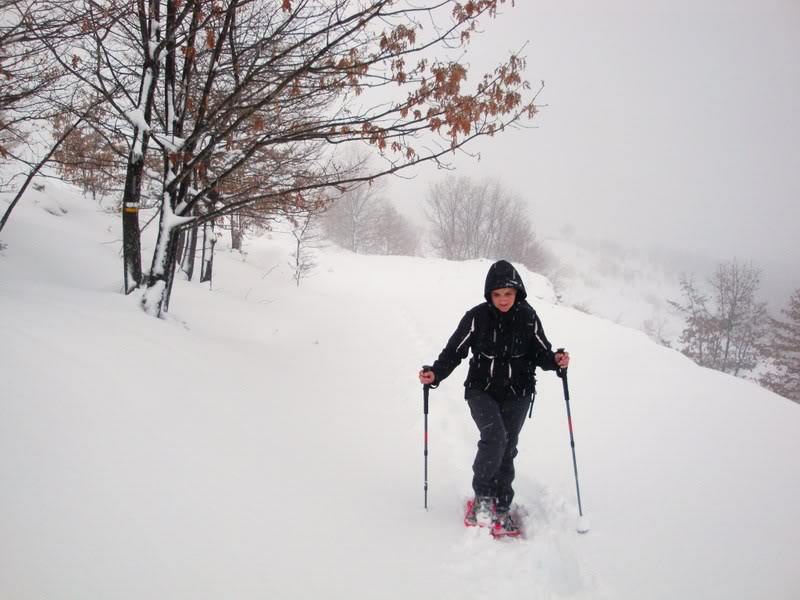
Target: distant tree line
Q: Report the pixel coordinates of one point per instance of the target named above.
(468, 219)
(728, 329)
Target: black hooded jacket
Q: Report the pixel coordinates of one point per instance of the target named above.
(506, 347)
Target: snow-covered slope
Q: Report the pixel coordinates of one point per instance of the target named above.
(265, 441)
(630, 287)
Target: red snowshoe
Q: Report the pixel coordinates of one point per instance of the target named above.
(506, 524)
(479, 512)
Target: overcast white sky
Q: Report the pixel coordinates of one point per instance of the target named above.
(668, 122)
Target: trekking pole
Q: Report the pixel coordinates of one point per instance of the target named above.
(583, 525)
(425, 390)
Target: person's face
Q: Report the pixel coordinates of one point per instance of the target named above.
(503, 298)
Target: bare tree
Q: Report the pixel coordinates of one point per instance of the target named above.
(351, 220)
(655, 328)
(699, 337)
(518, 242)
(304, 228)
(394, 234)
(115, 52)
(446, 208)
(28, 74)
(363, 220)
(93, 155)
(481, 219)
(784, 351)
(741, 318)
(33, 90)
(34, 170)
(724, 329)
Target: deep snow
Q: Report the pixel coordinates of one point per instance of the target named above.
(266, 440)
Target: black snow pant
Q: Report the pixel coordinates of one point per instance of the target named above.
(499, 417)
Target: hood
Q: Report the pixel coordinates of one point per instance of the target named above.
(502, 274)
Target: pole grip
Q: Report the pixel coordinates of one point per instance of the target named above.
(559, 371)
(425, 389)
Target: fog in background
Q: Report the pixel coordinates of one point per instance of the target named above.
(668, 124)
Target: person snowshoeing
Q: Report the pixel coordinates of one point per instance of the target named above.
(508, 343)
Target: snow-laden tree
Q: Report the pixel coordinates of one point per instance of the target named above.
(251, 98)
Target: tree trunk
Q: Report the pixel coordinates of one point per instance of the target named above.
(209, 241)
(181, 247)
(156, 297)
(131, 197)
(236, 232)
(187, 265)
(131, 239)
(165, 258)
(297, 263)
